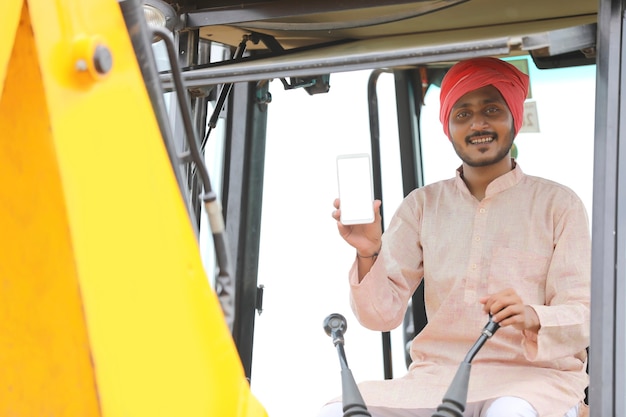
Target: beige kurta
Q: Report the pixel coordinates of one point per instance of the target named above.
(528, 233)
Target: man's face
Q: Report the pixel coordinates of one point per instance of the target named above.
(481, 127)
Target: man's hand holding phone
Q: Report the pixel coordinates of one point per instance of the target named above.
(365, 238)
(357, 213)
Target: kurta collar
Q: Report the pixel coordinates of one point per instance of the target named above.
(496, 186)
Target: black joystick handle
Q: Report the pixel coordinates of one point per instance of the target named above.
(455, 399)
(353, 404)
(490, 327)
(335, 325)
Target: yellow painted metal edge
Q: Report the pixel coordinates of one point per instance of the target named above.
(9, 19)
(45, 356)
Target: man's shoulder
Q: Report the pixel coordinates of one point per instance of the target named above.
(545, 185)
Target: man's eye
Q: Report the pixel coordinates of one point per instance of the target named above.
(462, 115)
(491, 110)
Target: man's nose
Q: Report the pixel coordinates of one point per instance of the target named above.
(479, 122)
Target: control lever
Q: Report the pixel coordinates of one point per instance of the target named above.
(353, 405)
(455, 398)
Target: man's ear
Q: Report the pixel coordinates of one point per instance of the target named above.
(513, 151)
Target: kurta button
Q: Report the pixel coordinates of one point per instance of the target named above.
(477, 238)
(482, 210)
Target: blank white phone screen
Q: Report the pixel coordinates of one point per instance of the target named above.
(354, 174)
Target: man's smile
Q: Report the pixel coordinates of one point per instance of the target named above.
(481, 138)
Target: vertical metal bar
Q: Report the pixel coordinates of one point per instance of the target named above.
(374, 120)
(195, 51)
(186, 42)
(200, 109)
(372, 100)
(408, 104)
(607, 264)
(180, 39)
(242, 201)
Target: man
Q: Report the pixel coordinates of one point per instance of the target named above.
(491, 240)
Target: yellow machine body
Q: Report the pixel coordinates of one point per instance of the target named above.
(105, 308)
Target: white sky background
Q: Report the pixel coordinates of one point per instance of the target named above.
(303, 260)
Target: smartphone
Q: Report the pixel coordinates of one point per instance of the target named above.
(356, 190)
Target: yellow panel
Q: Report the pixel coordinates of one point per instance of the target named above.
(45, 360)
(8, 23)
(159, 341)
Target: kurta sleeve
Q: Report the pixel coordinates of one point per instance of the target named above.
(380, 300)
(565, 318)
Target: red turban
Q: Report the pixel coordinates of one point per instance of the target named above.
(476, 73)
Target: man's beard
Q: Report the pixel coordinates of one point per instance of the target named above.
(503, 153)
